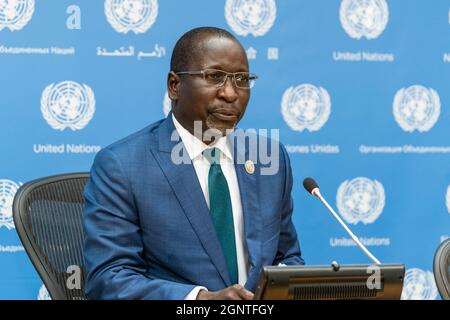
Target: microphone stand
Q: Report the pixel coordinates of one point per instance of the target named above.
(316, 192)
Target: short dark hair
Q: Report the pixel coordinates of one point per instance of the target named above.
(189, 45)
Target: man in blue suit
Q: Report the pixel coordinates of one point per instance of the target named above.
(182, 209)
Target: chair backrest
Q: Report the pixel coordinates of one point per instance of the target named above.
(441, 268)
(48, 215)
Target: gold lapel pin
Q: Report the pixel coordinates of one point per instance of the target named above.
(249, 167)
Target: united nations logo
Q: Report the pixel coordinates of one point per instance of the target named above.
(8, 189)
(68, 105)
(250, 16)
(43, 294)
(360, 200)
(15, 14)
(419, 285)
(305, 107)
(364, 18)
(416, 107)
(131, 15)
(167, 104)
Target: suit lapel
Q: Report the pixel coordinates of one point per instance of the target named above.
(248, 189)
(184, 182)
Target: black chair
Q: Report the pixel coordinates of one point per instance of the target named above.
(48, 216)
(441, 268)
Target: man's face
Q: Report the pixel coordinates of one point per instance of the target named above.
(218, 108)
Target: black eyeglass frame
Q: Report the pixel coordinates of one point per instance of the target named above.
(251, 77)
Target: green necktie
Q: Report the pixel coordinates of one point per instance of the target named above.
(221, 211)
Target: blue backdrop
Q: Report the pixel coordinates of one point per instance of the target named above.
(359, 90)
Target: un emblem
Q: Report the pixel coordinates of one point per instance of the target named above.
(305, 107)
(419, 285)
(43, 294)
(416, 108)
(360, 200)
(8, 189)
(250, 16)
(67, 105)
(364, 18)
(15, 14)
(167, 104)
(131, 15)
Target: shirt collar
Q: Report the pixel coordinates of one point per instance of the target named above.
(195, 146)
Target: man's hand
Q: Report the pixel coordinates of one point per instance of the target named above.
(235, 292)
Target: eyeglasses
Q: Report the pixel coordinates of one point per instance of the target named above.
(243, 80)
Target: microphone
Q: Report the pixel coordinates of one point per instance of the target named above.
(312, 187)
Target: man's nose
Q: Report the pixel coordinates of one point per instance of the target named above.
(228, 90)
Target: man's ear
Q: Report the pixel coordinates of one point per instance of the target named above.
(173, 84)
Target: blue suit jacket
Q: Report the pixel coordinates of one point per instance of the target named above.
(148, 232)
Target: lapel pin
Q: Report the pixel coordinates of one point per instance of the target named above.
(249, 167)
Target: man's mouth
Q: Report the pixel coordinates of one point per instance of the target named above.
(225, 115)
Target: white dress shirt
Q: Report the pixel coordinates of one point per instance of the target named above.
(195, 148)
